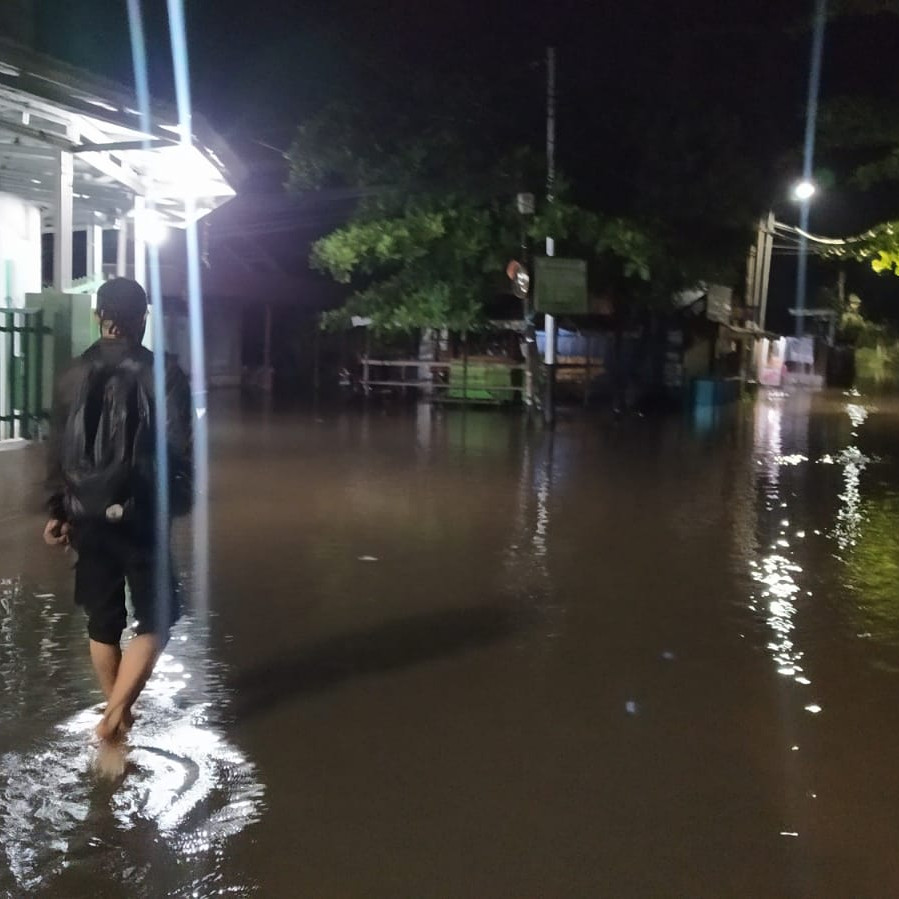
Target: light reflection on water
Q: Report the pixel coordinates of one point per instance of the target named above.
(526, 556)
(552, 520)
(186, 792)
(862, 526)
(777, 571)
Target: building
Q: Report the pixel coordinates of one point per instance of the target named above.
(83, 189)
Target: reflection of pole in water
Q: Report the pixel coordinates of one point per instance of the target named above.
(776, 574)
(178, 35)
(527, 556)
(544, 484)
(775, 570)
(423, 426)
(854, 461)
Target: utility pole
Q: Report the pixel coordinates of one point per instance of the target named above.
(765, 268)
(549, 404)
(525, 205)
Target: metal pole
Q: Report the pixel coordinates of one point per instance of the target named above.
(25, 410)
(365, 369)
(802, 270)
(10, 322)
(39, 364)
(464, 369)
(768, 249)
(528, 307)
(549, 405)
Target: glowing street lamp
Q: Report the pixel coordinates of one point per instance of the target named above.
(804, 190)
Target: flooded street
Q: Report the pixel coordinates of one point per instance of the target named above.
(446, 656)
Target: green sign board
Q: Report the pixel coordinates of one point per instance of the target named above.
(561, 286)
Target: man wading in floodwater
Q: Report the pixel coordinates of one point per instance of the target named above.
(102, 479)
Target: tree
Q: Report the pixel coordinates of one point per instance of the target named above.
(861, 135)
(428, 243)
(878, 247)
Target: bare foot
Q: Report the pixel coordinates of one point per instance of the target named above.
(115, 724)
(111, 759)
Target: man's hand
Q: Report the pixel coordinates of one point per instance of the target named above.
(56, 533)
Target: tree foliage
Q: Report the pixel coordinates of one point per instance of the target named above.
(436, 224)
(878, 247)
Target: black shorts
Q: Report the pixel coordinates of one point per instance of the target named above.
(107, 558)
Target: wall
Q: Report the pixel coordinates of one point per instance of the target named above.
(20, 244)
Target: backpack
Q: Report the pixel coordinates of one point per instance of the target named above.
(108, 458)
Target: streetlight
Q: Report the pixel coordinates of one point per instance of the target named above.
(804, 190)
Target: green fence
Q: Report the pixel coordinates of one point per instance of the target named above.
(482, 382)
(22, 400)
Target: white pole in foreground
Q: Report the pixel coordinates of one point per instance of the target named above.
(178, 36)
(163, 571)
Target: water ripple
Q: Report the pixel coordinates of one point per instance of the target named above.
(186, 792)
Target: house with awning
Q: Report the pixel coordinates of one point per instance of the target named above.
(84, 189)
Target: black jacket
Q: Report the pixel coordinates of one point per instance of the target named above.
(109, 352)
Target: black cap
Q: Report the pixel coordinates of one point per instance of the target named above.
(121, 300)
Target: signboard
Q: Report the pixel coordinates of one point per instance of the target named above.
(561, 286)
(520, 279)
(525, 204)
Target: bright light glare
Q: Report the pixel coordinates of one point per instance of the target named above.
(156, 230)
(183, 171)
(804, 190)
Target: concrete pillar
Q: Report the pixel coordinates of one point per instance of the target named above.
(94, 251)
(121, 256)
(62, 208)
(140, 241)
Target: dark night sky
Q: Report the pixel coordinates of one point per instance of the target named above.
(260, 60)
(259, 67)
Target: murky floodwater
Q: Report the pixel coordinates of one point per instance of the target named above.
(449, 658)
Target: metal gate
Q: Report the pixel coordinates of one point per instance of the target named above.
(22, 409)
